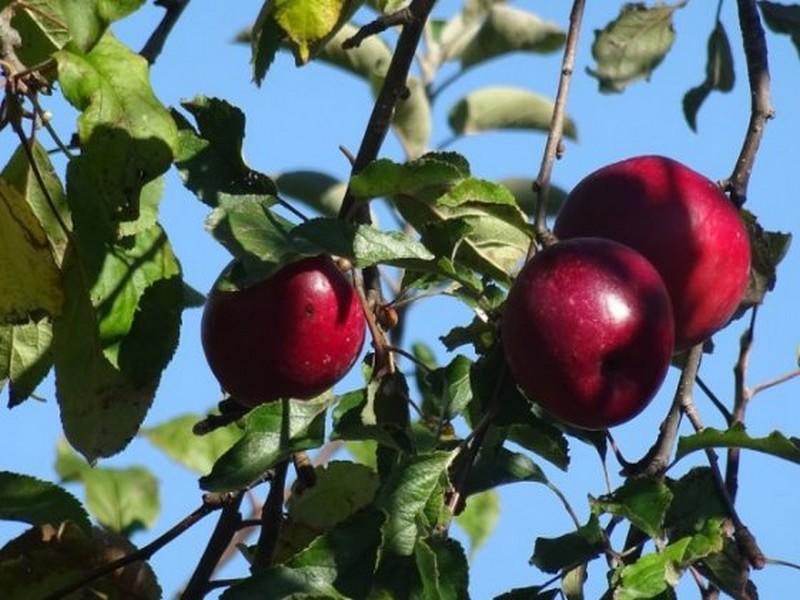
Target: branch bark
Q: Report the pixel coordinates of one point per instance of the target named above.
(271, 519)
(755, 50)
(155, 43)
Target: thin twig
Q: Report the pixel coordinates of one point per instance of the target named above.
(229, 521)
(211, 502)
(741, 400)
(715, 400)
(555, 134)
(757, 389)
(271, 519)
(379, 25)
(755, 50)
(655, 462)
(155, 43)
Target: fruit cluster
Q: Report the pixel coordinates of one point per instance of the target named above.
(653, 258)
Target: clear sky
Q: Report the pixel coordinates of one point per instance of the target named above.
(300, 117)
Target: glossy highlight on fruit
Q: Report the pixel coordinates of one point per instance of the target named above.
(681, 222)
(293, 335)
(587, 331)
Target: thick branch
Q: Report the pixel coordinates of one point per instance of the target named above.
(211, 502)
(656, 460)
(271, 518)
(155, 43)
(227, 525)
(755, 49)
(554, 135)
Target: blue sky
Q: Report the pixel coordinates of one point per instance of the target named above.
(300, 117)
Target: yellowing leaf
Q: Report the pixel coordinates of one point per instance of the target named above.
(310, 23)
(30, 282)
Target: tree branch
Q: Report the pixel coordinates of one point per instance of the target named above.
(382, 23)
(656, 460)
(155, 43)
(741, 399)
(227, 525)
(271, 518)
(755, 50)
(211, 502)
(541, 187)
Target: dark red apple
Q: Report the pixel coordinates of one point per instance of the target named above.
(681, 222)
(292, 335)
(587, 331)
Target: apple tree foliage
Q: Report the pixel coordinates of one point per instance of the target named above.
(91, 289)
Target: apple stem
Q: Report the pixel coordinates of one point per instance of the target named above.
(554, 146)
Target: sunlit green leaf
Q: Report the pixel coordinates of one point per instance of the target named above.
(775, 444)
(643, 502)
(124, 500)
(25, 358)
(198, 453)
(504, 108)
(273, 432)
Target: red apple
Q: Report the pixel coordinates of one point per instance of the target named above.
(681, 222)
(587, 331)
(292, 335)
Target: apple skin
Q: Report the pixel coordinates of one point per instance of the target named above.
(588, 332)
(681, 222)
(293, 335)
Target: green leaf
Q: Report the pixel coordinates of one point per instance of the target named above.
(30, 282)
(450, 389)
(368, 60)
(782, 18)
(775, 444)
(273, 432)
(69, 466)
(631, 46)
(643, 502)
(30, 500)
(45, 559)
(504, 108)
(209, 159)
(442, 568)
(266, 38)
(719, 74)
(404, 495)
(25, 358)
(198, 453)
(363, 452)
(654, 574)
(318, 190)
(378, 412)
(695, 501)
(341, 490)
(363, 244)
(411, 120)
(508, 29)
(118, 331)
(127, 136)
(479, 518)
(87, 20)
(533, 592)
(554, 554)
(20, 175)
(337, 565)
(572, 583)
(539, 436)
(729, 571)
(523, 192)
(499, 466)
(124, 500)
(386, 178)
